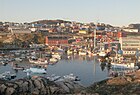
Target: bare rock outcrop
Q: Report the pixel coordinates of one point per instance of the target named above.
(38, 86)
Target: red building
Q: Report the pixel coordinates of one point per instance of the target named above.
(112, 34)
(119, 34)
(56, 40)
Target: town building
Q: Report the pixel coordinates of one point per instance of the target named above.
(131, 30)
(56, 40)
(130, 44)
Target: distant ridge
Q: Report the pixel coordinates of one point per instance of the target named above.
(50, 22)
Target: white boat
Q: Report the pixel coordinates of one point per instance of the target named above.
(91, 53)
(82, 53)
(18, 59)
(35, 70)
(42, 61)
(3, 62)
(7, 75)
(71, 77)
(60, 50)
(69, 52)
(123, 66)
(39, 61)
(53, 60)
(31, 60)
(56, 55)
(101, 53)
(53, 77)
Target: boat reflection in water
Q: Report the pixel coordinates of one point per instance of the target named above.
(118, 69)
(82, 66)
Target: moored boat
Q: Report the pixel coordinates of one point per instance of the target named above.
(39, 61)
(7, 75)
(69, 52)
(56, 55)
(53, 77)
(35, 70)
(82, 53)
(123, 66)
(101, 53)
(71, 77)
(53, 60)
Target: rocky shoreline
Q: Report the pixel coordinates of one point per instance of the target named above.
(121, 85)
(38, 86)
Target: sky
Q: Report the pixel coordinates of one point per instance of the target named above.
(114, 12)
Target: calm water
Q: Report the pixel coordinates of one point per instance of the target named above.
(87, 69)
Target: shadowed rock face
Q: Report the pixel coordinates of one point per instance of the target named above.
(122, 85)
(38, 86)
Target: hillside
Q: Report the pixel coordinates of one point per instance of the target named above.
(50, 22)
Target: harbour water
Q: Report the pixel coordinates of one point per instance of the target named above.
(86, 68)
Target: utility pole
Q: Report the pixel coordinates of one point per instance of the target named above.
(95, 37)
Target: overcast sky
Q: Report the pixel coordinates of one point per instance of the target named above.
(114, 12)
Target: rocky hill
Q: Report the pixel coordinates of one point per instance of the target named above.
(22, 39)
(50, 22)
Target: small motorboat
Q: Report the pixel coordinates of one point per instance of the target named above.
(37, 70)
(39, 61)
(7, 75)
(101, 53)
(53, 61)
(19, 59)
(4, 63)
(17, 67)
(56, 55)
(53, 77)
(82, 53)
(71, 77)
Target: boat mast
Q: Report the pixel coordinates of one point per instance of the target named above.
(95, 36)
